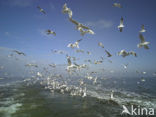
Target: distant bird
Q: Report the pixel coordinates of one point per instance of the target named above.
(143, 79)
(100, 44)
(41, 10)
(19, 53)
(74, 45)
(78, 51)
(111, 96)
(70, 65)
(133, 53)
(33, 65)
(108, 54)
(50, 32)
(125, 66)
(121, 26)
(144, 72)
(59, 51)
(52, 65)
(67, 10)
(39, 74)
(89, 53)
(117, 5)
(143, 42)
(98, 62)
(142, 29)
(123, 53)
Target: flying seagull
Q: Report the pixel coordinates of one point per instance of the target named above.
(19, 53)
(133, 53)
(78, 51)
(123, 53)
(143, 42)
(67, 10)
(83, 32)
(50, 32)
(100, 44)
(121, 26)
(89, 53)
(108, 54)
(142, 29)
(125, 66)
(117, 5)
(70, 65)
(82, 28)
(33, 65)
(74, 45)
(41, 10)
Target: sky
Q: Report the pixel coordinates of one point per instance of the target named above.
(23, 27)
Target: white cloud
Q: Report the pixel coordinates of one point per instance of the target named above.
(101, 24)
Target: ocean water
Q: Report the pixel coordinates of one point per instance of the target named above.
(26, 98)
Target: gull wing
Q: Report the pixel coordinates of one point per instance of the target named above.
(69, 61)
(146, 47)
(141, 38)
(121, 21)
(43, 12)
(109, 55)
(73, 21)
(79, 40)
(84, 27)
(39, 7)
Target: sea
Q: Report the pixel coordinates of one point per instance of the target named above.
(55, 97)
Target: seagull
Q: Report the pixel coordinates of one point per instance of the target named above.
(100, 44)
(19, 53)
(83, 29)
(98, 62)
(67, 10)
(52, 65)
(143, 42)
(142, 79)
(123, 53)
(59, 51)
(117, 5)
(70, 65)
(78, 25)
(125, 66)
(121, 26)
(50, 32)
(83, 32)
(142, 29)
(78, 50)
(39, 74)
(108, 54)
(125, 110)
(111, 96)
(75, 45)
(33, 65)
(144, 72)
(133, 53)
(89, 53)
(41, 10)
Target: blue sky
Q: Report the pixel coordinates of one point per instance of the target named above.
(22, 27)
